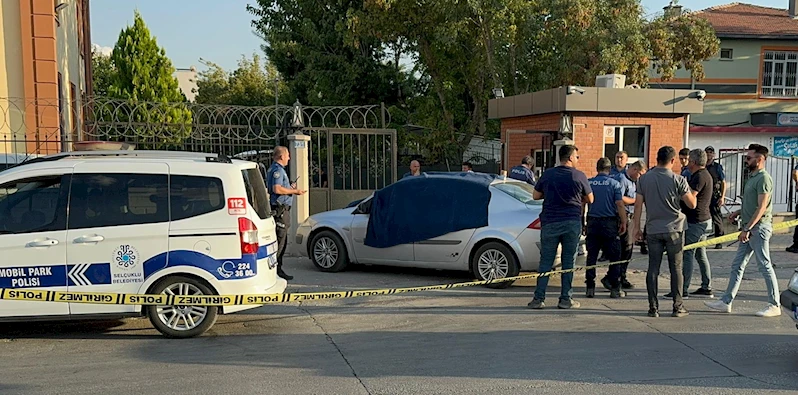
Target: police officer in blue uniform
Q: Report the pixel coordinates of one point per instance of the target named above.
(606, 220)
(628, 180)
(281, 192)
(523, 172)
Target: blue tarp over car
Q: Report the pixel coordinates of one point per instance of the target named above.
(428, 206)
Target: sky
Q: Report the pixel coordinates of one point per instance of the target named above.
(220, 31)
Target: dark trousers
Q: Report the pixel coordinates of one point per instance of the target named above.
(795, 233)
(658, 244)
(283, 222)
(717, 218)
(626, 249)
(602, 234)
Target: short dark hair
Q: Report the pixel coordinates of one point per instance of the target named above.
(466, 163)
(684, 152)
(759, 149)
(603, 164)
(665, 154)
(566, 151)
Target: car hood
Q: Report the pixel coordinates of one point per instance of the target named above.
(340, 217)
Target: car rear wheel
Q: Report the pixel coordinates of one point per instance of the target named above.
(182, 321)
(328, 252)
(492, 261)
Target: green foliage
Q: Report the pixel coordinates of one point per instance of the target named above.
(143, 74)
(682, 42)
(251, 84)
(102, 73)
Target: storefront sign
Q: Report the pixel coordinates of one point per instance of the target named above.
(785, 145)
(787, 119)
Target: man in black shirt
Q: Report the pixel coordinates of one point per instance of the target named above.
(715, 170)
(699, 223)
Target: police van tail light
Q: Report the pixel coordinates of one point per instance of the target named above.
(534, 225)
(248, 233)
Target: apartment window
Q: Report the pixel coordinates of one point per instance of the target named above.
(726, 54)
(779, 74)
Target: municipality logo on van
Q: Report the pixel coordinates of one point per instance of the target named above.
(126, 257)
(125, 266)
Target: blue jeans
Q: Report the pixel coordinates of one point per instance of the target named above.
(551, 236)
(758, 244)
(696, 233)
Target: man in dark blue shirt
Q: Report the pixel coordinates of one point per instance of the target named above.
(281, 192)
(621, 158)
(564, 191)
(684, 159)
(606, 220)
(628, 182)
(523, 172)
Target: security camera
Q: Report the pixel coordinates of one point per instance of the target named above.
(572, 89)
(701, 95)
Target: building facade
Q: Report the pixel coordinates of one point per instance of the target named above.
(45, 72)
(187, 82)
(751, 90)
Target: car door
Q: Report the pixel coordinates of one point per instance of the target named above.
(446, 248)
(400, 254)
(118, 220)
(33, 239)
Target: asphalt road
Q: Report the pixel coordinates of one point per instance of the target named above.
(461, 341)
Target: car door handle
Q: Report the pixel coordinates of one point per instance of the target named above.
(42, 243)
(89, 239)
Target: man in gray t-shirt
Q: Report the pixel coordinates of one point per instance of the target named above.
(660, 190)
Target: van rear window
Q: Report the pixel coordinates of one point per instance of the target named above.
(257, 195)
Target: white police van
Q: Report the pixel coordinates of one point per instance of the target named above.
(152, 222)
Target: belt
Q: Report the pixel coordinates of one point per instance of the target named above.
(602, 218)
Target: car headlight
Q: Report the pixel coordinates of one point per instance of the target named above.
(793, 286)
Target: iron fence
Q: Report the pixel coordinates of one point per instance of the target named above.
(779, 168)
(484, 154)
(37, 127)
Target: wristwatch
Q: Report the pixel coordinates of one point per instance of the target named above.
(746, 230)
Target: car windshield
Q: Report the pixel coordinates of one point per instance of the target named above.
(518, 190)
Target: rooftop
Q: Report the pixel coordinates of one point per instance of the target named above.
(740, 20)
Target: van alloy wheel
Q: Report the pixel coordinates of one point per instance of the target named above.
(182, 318)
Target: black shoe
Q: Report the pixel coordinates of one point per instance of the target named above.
(703, 292)
(606, 283)
(536, 304)
(653, 313)
(682, 312)
(625, 284)
(590, 292)
(669, 295)
(602, 258)
(283, 275)
(644, 249)
(793, 248)
(719, 246)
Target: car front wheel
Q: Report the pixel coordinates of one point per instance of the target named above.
(492, 261)
(328, 252)
(182, 321)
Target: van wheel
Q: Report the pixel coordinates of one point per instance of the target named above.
(493, 261)
(182, 321)
(328, 252)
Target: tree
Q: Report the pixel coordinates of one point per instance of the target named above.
(251, 84)
(682, 41)
(143, 77)
(102, 72)
(323, 60)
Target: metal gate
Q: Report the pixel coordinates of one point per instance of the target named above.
(349, 164)
(737, 173)
(540, 145)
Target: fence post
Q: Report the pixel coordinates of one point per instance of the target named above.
(298, 168)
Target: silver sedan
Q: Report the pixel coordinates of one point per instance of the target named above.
(510, 244)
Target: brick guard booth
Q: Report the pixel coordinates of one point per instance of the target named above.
(600, 121)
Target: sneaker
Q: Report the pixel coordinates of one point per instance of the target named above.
(793, 248)
(617, 293)
(703, 292)
(719, 246)
(682, 312)
(770, 311)
(625, 284)
(568, 304)
(653, 313)
(536, 304)
(606, 283)
(644, 249)
(590, 292)
(719, 305)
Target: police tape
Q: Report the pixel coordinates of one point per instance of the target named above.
(37, 295)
